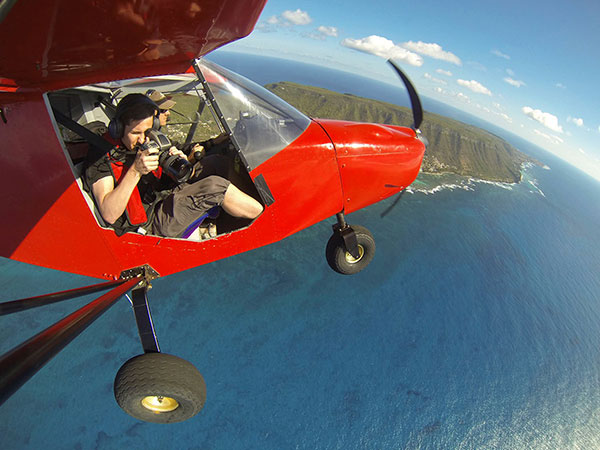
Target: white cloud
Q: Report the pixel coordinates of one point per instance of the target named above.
(548, 120)
(582, 151)
(444, 72)
(551, 138)
(384, 48)
(286, 19)
(510, 72)
(432, 50)
(328, 31)
(515, 83)
(463, 97)
(297, 17)
(477, 66)
(475, 86)
(577, 121)
(560, 86)
(500, 54)
(506, 117)
(437, 80)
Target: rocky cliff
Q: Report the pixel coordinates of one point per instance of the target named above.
(453, 146)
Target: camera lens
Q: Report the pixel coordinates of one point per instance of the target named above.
(178, 168)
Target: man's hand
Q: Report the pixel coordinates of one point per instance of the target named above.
(146, 161)
(196, 153)
(174, 151)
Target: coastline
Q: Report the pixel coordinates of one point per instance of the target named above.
(429, 183)
(497, 181)
(454, 147)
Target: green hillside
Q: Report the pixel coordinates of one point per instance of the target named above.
(453, 146)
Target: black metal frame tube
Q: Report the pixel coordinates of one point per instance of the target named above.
(34, 302)
(143, 319)
(218, 114)
(21, 363)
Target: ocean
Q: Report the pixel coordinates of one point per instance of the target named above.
(476, 326)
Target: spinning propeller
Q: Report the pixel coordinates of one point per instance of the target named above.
(417, 111)
(415, 102)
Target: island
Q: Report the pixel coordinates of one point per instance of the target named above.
(454, 147)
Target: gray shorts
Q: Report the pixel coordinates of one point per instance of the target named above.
(186, 204)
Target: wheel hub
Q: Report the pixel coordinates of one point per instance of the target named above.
(351, 259)
(159, 404)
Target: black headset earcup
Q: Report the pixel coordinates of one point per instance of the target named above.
(115, 128)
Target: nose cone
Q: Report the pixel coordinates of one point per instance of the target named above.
(375, 161)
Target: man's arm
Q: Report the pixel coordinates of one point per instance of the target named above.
(112, 200)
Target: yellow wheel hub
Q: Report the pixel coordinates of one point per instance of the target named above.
(158, 404)
(351, 259)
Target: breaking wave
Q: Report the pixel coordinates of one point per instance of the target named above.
(534, 183)
(465, 184)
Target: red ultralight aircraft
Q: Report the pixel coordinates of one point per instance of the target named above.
(58, 63)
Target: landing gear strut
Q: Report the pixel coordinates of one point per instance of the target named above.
(157, 387)
(351, 247)
(153, 387)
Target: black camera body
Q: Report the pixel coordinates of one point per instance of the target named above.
(176, 167)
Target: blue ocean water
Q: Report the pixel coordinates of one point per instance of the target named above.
(477, 325)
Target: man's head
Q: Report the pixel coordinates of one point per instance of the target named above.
(164, 103)
(135, 115)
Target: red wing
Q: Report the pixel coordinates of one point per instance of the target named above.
(61, 43)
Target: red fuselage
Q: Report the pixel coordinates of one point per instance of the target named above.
(332, 167)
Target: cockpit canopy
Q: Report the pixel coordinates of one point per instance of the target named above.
(210, 101)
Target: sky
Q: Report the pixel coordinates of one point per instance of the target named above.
(529, 66)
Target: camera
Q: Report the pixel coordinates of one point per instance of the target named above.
(176, 167)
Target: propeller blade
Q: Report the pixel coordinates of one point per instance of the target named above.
(395, 202)
(414, 97)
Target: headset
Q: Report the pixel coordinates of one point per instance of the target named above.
(116, 127)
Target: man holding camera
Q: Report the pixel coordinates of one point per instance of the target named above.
(132, 192)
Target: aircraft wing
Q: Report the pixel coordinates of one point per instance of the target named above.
(54, 44)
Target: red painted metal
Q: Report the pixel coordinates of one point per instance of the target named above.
(44, 215)
(49, 223)
(375, 161)
(53, 44)
(45, 218)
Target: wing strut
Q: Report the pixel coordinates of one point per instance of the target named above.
(33, 302)
(22, 362)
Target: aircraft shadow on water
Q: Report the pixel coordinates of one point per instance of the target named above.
(58, 97)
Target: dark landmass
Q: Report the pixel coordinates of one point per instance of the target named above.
(454, 147)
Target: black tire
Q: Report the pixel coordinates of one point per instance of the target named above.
(340, 260)
(160, 388)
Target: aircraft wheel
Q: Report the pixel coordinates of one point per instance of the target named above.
(341, 260)
(159, 388)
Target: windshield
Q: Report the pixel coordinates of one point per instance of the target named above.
(262, 123)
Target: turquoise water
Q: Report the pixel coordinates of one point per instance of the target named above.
(477, 325)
